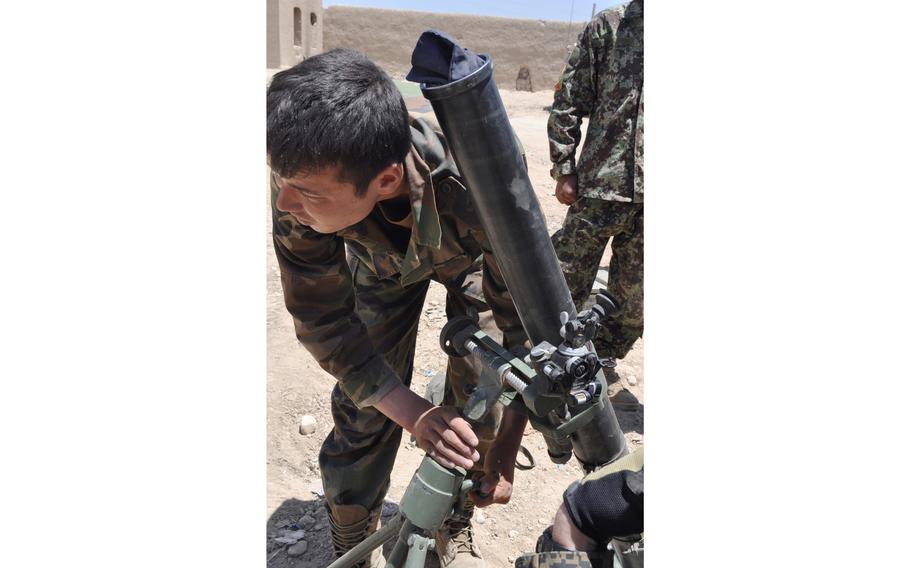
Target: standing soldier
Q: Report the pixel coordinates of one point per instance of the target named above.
(351, 170)
(603, 81)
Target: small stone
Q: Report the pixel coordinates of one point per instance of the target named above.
(632, 380)
(480, 518)
(283, 523)
(318, 491)
(543, 522)
(541, 446)
(290, 537)
(306, 521)
(298, 549)
(511, 559)
(513, 533)
(307, 425)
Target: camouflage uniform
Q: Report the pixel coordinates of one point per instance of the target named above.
(359, 317)
(603, 80)
(556, 559)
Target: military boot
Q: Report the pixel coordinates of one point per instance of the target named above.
(620, 397)
(455, 544)
(609, 368)
(350, 525)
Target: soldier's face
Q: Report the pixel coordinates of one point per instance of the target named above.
(327, 205)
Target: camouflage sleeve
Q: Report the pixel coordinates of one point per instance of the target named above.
(319, 294)
(573, 99)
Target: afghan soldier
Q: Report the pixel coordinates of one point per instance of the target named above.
(352, 171)
(603, 82)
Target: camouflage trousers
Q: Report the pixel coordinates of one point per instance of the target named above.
(580, 244)
(560, 559)
(357, 456)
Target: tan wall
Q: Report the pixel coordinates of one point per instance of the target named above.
(280, 50)
(273, 45)
(388, 37)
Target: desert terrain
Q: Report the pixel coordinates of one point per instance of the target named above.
(388, 37)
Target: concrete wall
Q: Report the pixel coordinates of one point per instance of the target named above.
(388, 37)
(282, 47)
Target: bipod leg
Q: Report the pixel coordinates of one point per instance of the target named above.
(400, 551)
(375, 540)
(418, 545)
(411, 549)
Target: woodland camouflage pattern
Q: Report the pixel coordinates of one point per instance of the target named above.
(603, 81)
(358, 316)
(580, 245)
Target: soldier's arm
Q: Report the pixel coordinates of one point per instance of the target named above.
(574, 98)
(319, 294)
(500, 301)
(499, 462)
(508, 439)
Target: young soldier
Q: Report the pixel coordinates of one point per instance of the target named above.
(351, 169)
(603, 81)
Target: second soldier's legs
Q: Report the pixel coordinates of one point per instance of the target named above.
(626, 284)
(580, 244)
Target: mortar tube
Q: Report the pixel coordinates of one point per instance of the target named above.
(474, 121)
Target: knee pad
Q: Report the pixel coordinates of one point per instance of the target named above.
(607, 506)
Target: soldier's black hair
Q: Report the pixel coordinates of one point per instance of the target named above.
(336, 108)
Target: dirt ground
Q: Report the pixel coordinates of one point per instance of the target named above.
(541, 46)
(297, 386)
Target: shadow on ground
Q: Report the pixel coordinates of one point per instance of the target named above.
(630, 413)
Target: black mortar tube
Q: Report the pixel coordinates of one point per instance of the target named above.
(474, 121)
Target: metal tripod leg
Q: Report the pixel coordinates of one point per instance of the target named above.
(418, 546)
(375, 540)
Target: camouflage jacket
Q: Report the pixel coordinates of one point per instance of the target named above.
(603, 81)
(445, 244)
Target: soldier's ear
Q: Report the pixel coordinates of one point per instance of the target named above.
(389, 180)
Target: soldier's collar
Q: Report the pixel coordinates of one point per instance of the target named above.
(427, 230)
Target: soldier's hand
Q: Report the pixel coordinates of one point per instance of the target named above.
(567, 189)
(447, 437)
(498, 475)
